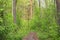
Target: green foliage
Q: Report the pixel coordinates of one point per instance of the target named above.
(43, 21)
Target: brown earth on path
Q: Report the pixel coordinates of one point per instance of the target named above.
(31, 36)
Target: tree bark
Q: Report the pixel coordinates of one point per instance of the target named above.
(39, 3)
(14, 10)
(58, 10)
(31, 9)
(58, 15)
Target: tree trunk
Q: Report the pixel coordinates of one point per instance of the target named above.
(14, 10)
(31, 8)
(58, 15)
(39, 3)
(58, 10)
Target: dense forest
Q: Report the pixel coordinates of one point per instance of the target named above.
(19, 17)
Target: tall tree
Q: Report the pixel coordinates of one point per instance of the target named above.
(58, 14)
(31, 9)
(58, 10)
(39, 2)
(14, 10)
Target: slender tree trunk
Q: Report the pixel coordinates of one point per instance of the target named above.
(39, 3)
(58, 10)
(31, 9)
(58, 5)
(58, 15)
(14, 10)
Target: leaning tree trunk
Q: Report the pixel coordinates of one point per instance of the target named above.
(14, 10)
(58, 14)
